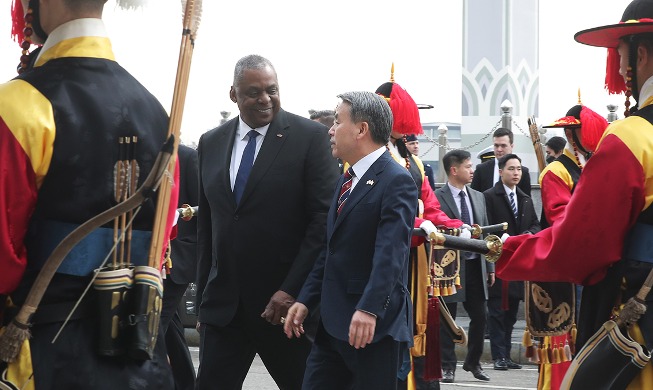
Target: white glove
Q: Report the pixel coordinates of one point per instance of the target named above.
(466, 226)
(464, 233)
(428, 227)
(504, 237)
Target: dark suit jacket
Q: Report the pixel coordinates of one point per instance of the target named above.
(269, 241)
(484, 175)
(498, 211)
(448, 205)
(365, 263)
(428, 171)
(184, 246)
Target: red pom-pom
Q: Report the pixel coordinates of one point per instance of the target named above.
(17, 20)
(614, 81)
(404, 111)
(593, 126)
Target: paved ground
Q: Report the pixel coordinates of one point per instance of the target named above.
(526, 378)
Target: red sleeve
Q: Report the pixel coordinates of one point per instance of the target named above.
(432, 212)
(555, 196)
(606, 203)
(18, 193)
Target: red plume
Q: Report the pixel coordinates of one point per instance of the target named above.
(593, 126)
(404, 112)
(18, 21)
(614, 82)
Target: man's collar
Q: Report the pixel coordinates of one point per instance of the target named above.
(71, 40)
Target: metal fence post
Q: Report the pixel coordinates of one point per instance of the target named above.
(612, 113)
(506, 114)
(442, 141)
(225, 116)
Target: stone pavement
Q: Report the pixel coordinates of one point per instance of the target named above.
(526, 378)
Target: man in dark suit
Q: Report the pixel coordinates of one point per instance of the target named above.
(487, 175)
(506, 202)
(260, 233)
(361, 277)
(459, 201)
(182, 271)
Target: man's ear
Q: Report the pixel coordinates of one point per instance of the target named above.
(363, 128)
(232, 94)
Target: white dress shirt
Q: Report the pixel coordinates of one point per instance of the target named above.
(364, 164)
(239, 146)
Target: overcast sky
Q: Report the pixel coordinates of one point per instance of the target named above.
(322, 48)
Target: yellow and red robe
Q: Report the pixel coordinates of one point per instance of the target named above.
(618, 182)
(59, 125)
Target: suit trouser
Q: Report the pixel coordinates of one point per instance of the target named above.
(475, 305)
(181, 362)
(227, 352)
(500, 325)
(334, 364)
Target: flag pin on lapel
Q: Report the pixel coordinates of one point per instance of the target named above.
(370, 182)
(279, 135)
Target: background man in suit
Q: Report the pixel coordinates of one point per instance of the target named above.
(505, 202)
(461, 202)
(182, 271)
(412, 143)
(260, 233)
(361, 276)
(487, 175)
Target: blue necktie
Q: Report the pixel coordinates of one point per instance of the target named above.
(513, 206)
(464, 211)
(246, 163)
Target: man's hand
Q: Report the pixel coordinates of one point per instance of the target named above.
(361, 329)
(277, 307)
(294, 322)
(491, 279)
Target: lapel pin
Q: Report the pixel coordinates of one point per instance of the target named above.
(279, 135)
(370, 182)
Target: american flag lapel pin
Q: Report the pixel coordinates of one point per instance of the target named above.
(370, 182)
(279, 135)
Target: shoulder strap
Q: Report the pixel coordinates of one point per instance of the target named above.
(572, 168)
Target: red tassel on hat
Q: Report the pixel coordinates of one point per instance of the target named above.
(404, 112)
(614, 81)
(17, 21)
(593, 126)
(432, 361)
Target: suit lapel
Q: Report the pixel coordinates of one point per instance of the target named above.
(364, 185)
(475, 201)
(274, 139)
(447, 197)
(505, 198)
(223, 149)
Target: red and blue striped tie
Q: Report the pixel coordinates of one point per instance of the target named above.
(345, 190)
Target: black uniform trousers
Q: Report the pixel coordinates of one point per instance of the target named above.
(181, 362)
(475, 305)
(500, 326)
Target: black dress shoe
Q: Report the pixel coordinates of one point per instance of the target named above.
(477, 372)
(501, 364)
(448, 376)
(512, 365)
